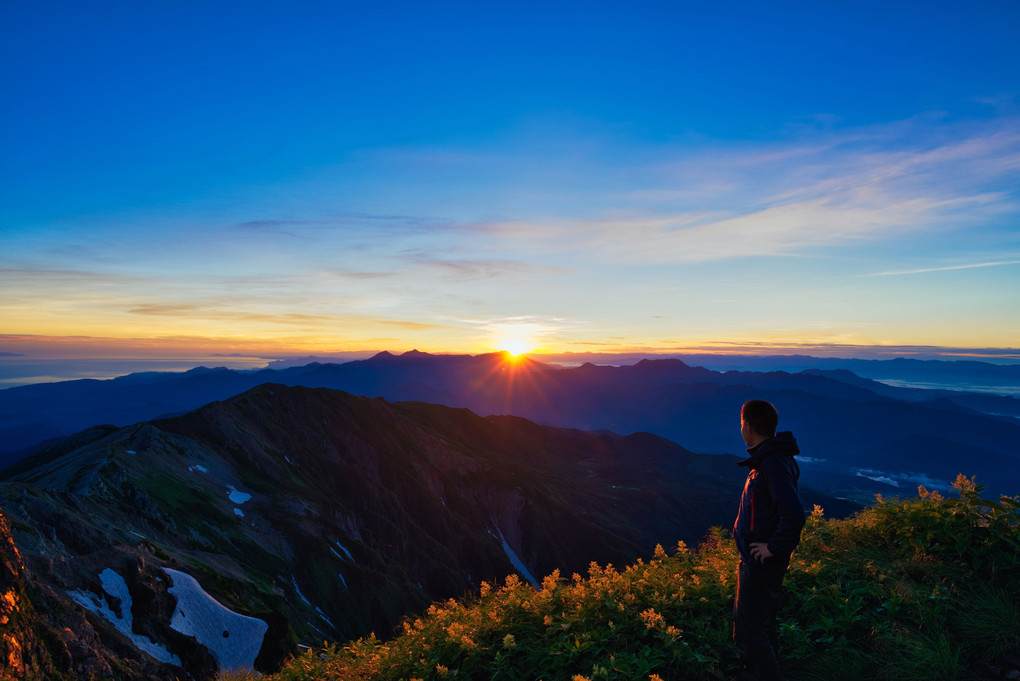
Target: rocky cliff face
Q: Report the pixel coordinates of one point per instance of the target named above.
(44, 635)
(15, 609)
(284, 517)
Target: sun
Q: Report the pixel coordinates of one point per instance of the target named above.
(515, 346)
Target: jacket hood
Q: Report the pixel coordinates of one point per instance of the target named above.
(783, 444)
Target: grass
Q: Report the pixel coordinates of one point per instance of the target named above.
(921, 588)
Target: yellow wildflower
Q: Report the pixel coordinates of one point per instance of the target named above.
(652, 619)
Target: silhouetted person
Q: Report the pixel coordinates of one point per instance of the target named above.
(767, 530)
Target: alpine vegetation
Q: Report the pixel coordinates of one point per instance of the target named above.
(916, 588)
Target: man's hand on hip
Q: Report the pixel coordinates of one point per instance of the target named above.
(760, 551)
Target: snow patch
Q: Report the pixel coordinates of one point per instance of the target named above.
(515, 559)
(293, 580)
(233, 639)
(344, 549)
(237, 497)
(344, 581)
(198, 467)
(238, 512)
(131, 451)
(115, 586)
(326, 619)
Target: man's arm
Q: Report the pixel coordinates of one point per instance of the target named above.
(791, 512)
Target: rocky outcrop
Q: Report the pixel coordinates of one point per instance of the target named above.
(15, 608)
(44, 636)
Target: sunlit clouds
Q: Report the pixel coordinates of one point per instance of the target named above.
(906, 181)
(656, 263)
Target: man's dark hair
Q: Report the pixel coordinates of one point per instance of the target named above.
(761, 416)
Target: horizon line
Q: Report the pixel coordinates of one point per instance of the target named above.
(20, 370)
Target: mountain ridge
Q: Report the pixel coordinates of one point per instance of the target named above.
(692, 405)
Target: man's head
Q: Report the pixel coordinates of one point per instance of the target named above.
(758, 421)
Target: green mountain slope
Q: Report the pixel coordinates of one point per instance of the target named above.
(924, 588)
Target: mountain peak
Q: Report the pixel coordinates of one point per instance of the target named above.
(206, 370)
(667, 362)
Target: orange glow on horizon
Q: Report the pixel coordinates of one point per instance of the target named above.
(516, 347)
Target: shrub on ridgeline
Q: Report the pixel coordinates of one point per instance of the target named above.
(921, 588)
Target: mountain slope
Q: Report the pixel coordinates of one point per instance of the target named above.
(324, 515)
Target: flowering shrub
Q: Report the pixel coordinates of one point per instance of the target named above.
(917, 588)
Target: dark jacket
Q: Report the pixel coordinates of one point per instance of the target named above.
(770, 509)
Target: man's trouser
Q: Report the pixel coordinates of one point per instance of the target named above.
(759, 587)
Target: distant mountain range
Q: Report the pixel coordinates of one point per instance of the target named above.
(858, 436)
(953, 374)
(286, 516)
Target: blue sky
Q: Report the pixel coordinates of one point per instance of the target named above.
(184, 179)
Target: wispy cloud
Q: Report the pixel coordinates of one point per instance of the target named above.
(850, 188)
(480, 268)
(251, 312)
(343, 219)
(181, 310)
(946, 268)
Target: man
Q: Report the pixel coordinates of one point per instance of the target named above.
(767, 530)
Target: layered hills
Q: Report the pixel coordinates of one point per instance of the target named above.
(287, 516)
(858, 436)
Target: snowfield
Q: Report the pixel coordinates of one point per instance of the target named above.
(515, 560)
(344, 549)
(115, 586)
(236, 496)
(233, 639)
